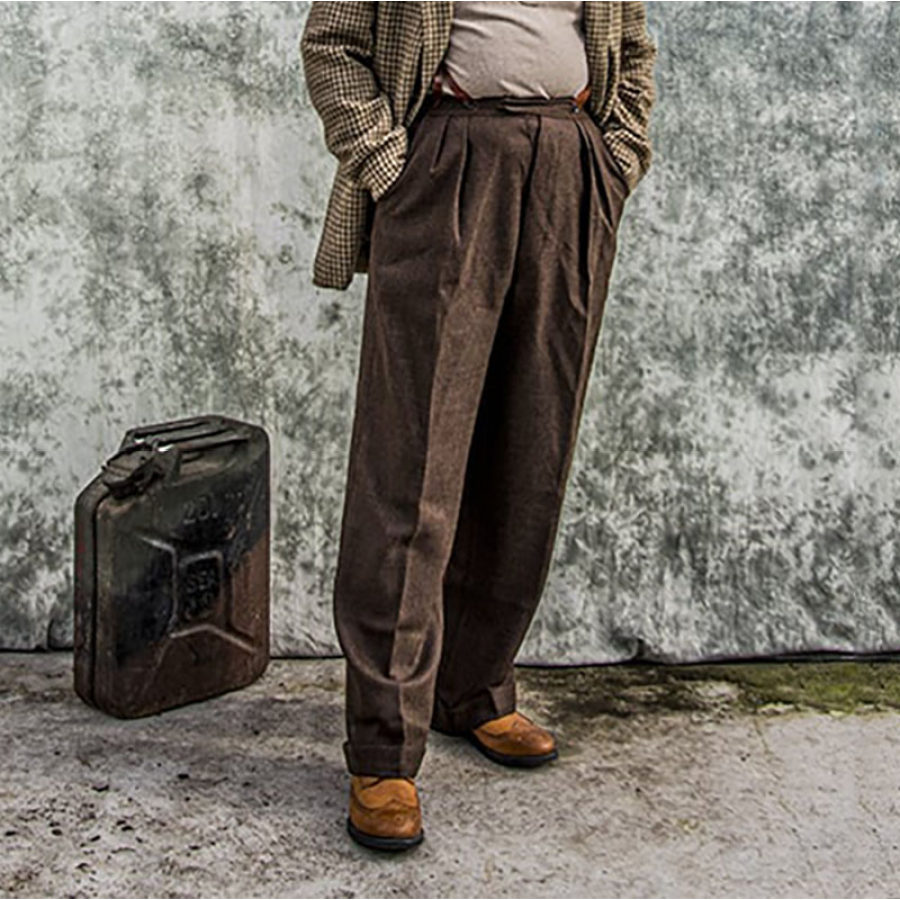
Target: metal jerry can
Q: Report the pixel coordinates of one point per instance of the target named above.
(172, 567)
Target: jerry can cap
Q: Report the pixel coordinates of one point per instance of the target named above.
(133, 468)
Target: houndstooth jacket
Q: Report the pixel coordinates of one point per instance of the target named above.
(368, 69)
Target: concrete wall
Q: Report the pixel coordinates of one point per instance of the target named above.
(736, 487)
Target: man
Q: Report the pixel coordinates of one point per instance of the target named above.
(485, 152)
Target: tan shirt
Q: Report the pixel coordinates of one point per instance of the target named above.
(516, 49)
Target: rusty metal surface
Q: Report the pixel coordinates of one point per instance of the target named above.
(172, 567)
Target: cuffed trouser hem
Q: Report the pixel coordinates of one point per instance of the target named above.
(388, 760)
(466, 716)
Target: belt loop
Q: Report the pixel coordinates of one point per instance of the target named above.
(461, 93)
(581, 98)
(458, 91)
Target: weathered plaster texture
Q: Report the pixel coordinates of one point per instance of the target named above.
(735, 490)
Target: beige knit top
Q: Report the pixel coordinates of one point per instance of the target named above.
(516, 49)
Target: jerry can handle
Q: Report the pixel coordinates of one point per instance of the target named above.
(214, 422)
(195, 426)
(202, 443)
(149, 460)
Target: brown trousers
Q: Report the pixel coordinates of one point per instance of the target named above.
(490, 258)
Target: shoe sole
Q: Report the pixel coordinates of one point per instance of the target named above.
(509, 759)
(377, 842)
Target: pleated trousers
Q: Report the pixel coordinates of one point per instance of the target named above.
(489, 264)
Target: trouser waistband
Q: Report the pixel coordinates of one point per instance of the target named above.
(447, 104)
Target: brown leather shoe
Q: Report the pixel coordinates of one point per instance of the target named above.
(385, 813)
(514, 740)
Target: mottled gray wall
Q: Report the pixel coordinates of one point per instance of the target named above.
(736, 487)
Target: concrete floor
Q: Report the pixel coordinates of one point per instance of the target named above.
(685, 781)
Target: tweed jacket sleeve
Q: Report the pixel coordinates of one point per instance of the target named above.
(336, 49)
(627, 125)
